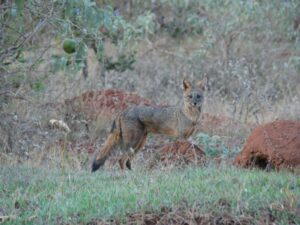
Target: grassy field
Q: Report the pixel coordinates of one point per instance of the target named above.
(52, 196)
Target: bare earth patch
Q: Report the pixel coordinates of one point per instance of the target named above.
(189, 216)
(276, 144)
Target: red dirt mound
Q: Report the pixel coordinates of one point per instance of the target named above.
(104, 102)
(181, 152)
(275, 144)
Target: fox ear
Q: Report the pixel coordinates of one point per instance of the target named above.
(186, 84)
(202, 84)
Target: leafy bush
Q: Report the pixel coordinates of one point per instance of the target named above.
(76, 26)
(213, 146)
(93, 24)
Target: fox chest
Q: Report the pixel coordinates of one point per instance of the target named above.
(187, 131)
(182, 128)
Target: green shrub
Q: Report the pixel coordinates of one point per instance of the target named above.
(213, 145)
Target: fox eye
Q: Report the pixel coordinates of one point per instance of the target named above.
(190, 96)
(198, 96)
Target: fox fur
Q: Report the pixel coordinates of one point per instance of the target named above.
(131, 127)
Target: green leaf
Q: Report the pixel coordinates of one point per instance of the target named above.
(67, 9)
(107, 20)
(21, 57)
(100, 50)
(89, 3)
(81, 55)
(20, 6)
(39, 86)
(13, 12)
(58, 63)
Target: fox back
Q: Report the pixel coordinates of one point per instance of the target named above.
(170, 120)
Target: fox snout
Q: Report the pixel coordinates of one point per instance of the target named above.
(198, 106)
(195, 100)
(98, 163)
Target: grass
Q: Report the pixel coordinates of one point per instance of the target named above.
(42, 196)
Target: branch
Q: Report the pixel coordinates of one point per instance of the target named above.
(12, 50)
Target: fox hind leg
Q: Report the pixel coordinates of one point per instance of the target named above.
(131, 151)
(123, 161)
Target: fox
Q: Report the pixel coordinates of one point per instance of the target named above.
(131, 127)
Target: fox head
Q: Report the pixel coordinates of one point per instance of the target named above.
(193, 94)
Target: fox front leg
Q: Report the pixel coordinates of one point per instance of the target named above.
(125, 161)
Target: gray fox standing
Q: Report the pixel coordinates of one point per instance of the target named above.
(131, 127)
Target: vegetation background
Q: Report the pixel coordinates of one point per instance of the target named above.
(53, 51)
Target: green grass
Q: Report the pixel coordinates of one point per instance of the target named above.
(43, 196)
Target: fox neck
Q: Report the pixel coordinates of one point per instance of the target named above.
(191, 113)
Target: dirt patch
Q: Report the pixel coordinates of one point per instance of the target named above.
(275, 144)
(193, 216)
(181, 152)
(185, 217)
(104, 102)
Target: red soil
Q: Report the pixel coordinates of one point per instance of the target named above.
(275, 144)
(104, 102)
(181, 151)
